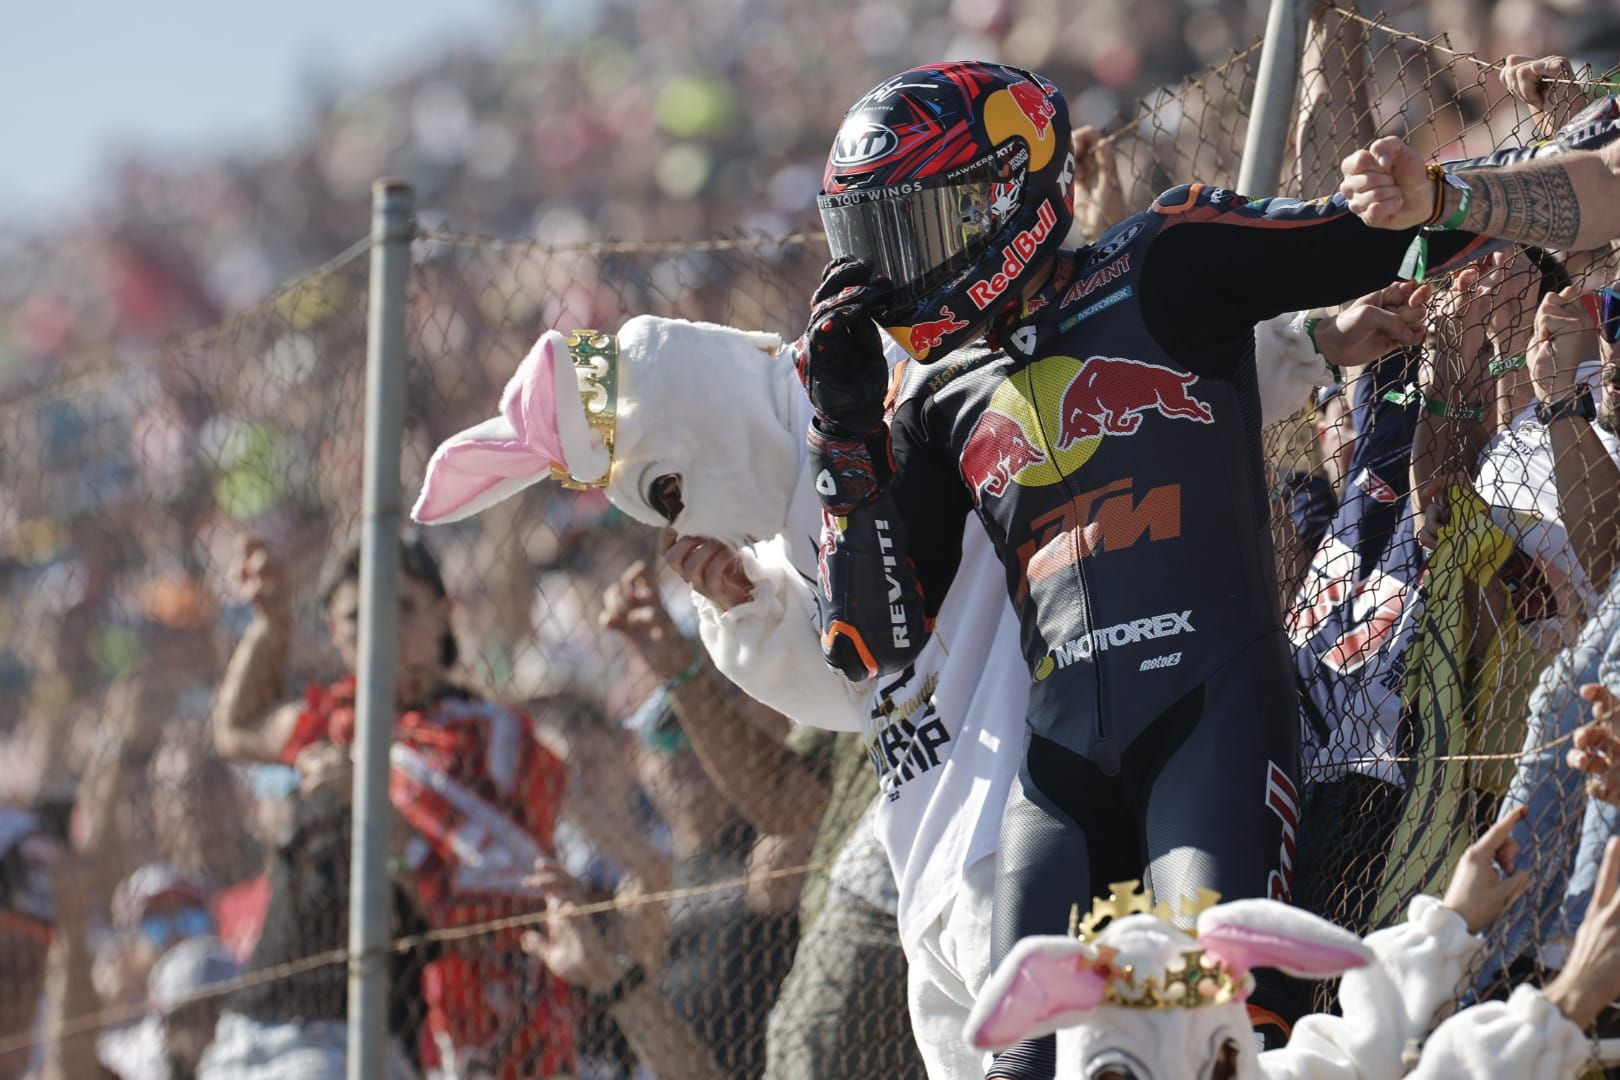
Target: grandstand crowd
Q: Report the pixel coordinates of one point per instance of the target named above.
(179, 639)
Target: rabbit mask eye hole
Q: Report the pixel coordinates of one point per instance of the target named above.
(664, 496)
(1225, 1064)
(1117, 1065)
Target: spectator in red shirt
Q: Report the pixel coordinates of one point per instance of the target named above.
(476, 794)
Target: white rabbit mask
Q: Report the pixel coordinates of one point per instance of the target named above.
(709, 404)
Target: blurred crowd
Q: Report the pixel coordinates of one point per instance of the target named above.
(163, 497)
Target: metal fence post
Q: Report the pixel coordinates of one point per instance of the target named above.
(392, 202)
(1276, 85)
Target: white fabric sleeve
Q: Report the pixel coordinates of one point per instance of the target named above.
(1390, 1002)
(1524, 1036)
(769, 646)
(1289, 366)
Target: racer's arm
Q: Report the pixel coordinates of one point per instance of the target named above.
(1221, 264)
(880, 486)
(1275, 255)
(880, 591)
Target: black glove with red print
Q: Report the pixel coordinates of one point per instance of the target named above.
(840, 357)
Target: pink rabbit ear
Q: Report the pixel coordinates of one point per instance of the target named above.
(495, 460)
(1248, 934)
(1042, 983)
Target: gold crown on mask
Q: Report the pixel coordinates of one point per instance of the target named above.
(596, 361)
(1193, 979)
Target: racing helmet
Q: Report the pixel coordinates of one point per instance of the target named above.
(953, 181)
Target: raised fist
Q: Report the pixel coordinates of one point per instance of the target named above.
(1387, 185)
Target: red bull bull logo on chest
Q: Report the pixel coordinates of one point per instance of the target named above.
(1046, 421)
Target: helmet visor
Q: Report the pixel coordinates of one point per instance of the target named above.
(920, 234)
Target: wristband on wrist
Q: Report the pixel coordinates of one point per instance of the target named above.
(1577, 404)
(1310, 332)
(632, 979)
(1415, 264)
(1411, 394)
(689, 675)
(1504, 364)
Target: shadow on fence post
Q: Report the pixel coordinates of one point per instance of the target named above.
(392, 202)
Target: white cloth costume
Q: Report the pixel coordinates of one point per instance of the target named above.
(1097, 996)
(943, 735)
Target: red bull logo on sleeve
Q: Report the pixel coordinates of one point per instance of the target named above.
(1035, 103)
(1046, 421)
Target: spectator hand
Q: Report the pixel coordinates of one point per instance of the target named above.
(1507, 289)
(324, 765)
(1432, 507)
(1387, 185)
(771, 853)
(1477, 892)
(1596, 749)
(713, 570)
(1536, 83)
(1099, 198)
(632, 608)
(1564, 338)
(644, 924)
(1375, 325)
(839, 356)
(258, 578)
(567, 941)
(1591, 976)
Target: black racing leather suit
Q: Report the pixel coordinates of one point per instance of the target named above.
(1111, 446)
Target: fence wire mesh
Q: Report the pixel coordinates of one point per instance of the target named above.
(164, 516)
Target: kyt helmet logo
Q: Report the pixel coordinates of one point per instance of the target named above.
(862, 141)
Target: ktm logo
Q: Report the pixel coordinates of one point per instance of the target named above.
(1110, 518)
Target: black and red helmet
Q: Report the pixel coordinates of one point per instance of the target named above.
(953, 181)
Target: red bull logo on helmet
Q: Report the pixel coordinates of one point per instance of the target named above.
(1035, 103)
(1046, 421)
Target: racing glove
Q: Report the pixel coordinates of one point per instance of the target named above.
(840, 361)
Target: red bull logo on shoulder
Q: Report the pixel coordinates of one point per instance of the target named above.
(1035, 103)
(1111, 393)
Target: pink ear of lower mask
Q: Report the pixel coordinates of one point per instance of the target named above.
(1242, 948)
(523, 443)
(1043, 987)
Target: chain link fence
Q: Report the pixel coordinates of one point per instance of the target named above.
(142, 506)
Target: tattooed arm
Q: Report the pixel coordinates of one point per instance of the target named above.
(1540, 203)
(1571, 202)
